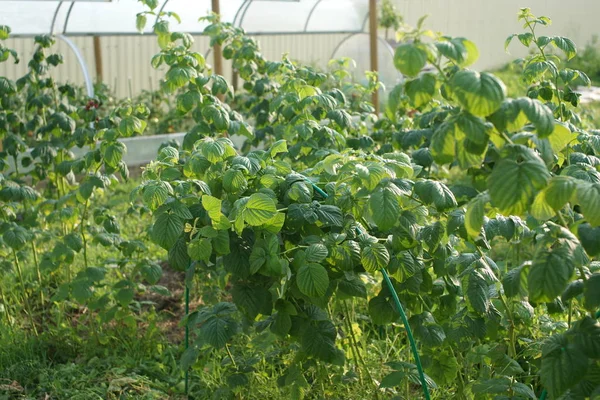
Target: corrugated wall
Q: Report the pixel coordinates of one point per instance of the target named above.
(126, 60)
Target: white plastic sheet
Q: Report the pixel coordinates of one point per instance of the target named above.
(117, 17)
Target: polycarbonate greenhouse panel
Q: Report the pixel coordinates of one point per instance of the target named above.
(117, 17)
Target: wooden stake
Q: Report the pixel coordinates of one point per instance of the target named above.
(98, 59)
(373, 46)
(217, 54)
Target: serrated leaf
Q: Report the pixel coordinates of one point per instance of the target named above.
(475, 214)
(549, 274)
(124, 296)
(312, 280)
(385, 208)
(421, 90)
(200, 249)
(374, 257)
(316, 253)
(166, 229)
(436, 193)
(480, 94)
(591, 292)
(588, 197)
(410, 59)
(259, 209)
(516, 179)
(563, 365)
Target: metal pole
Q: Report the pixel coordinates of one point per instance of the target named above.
(373, 47)
(89, 85)
(98, 59)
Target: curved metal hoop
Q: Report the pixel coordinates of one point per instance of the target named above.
(89, 85)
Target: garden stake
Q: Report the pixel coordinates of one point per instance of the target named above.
(411, 339)
(187, 337)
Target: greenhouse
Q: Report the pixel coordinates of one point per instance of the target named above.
(300, 199)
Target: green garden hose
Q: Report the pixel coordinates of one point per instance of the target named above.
(411, 339)
(187, 337)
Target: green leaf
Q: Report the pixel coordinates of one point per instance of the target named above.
(234, 181)
(82, 291)
(155, 193)
(475, 214)
(381, 310)
(259, 209)
(212, 205)
(200, 249)
(434, 192)
(460, 50)
(385, 208)
(189, 357)
(588, 197)
(218, 330)
(550, 272)
(318, 340)
(74, 241)
(480, 94)
(124, 296)
(16, 237)
(515, 281)
(563, 365)
(282, 323)
(140, 22)
(516, 178)
(421, 90)
(477, 292)
(352, 285)
(514, 114)
(374, 257)
(410, 59)
(312, 280)
(130, 125)
(166, 230)
(152, 272)
(393, 379)
(178, 255)
(278, 147)
(316, 253)
(564, 44)
(4, 32)
(585, 334)
(591, 292)
(561, 137)
(113, 154)
(560, 191)
(590, 239)
(427, 330)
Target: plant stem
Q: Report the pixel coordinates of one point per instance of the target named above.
(360, 358)
(230, 355)
(512, 349)
(352, 348)
(6, 311)
(16, 165)
(25, 298)
(37, 270)
(81, 226)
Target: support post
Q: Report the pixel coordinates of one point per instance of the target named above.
(217, 54)
(373, 47)
(98, 59)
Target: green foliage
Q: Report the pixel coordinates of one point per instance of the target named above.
(287, 198)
